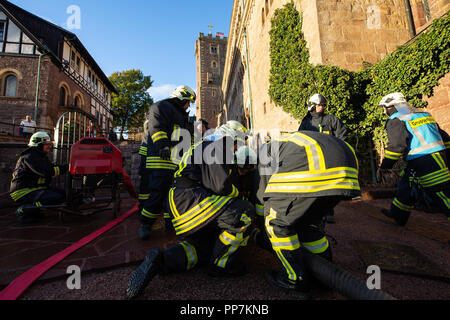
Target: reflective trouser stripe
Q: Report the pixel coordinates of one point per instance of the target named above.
(317, 247)
(191, 255)
(22, 193)
(57, 171)
(166, 215)
(279, 244)
(435, 178)
(444, 198)
(439, 160)
(234, 242)
(149, 215)
(247, 222)
(402, 206)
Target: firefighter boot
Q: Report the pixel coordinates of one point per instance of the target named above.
(145, 228)
(278, 279)
(142, 276)
(28, 214)
(401, 220)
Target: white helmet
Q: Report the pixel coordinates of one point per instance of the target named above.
(39, 138)
(393, 99)
(184, 93)
(316, 100)
(245, 158)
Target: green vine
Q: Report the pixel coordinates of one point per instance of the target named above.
(414, 69)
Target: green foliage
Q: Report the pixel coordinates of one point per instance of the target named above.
(133, 101)
(414, 70)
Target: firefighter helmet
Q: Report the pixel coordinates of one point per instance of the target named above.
(235, 125)
(316, 100)
(393, 99)
(184, 93)
(245, 158)
(39, 138)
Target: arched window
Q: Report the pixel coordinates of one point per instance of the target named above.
(62, 96)
(78, 102)
(11, 86)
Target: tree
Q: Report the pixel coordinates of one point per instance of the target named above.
(132, 102)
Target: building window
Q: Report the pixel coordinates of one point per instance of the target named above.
(426, 8)
(213, 49)
(89, 76)
(10, 89)
(78, 64)
(78, 102)
(214, 64)
(2, 30)
(213, 93)
(62, 97)
(72, 59)
(263, 16)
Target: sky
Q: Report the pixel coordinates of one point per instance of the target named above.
(155, 36)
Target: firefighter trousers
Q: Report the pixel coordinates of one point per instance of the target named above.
(35, 200)
(153, 193)
(410, 189)
(217, 244)
(296, 223)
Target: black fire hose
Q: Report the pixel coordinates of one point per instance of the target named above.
(342, 281)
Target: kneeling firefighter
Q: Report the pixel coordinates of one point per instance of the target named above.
(308, 174)
(165, 121)
(32, 177)
(209, 218)
(415, 136)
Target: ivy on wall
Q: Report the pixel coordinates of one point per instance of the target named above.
(414, 70)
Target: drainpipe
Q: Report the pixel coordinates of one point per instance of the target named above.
(36, 104)
(410, 18)
(248, 71)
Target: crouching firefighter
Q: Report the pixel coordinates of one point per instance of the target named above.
(307, 175)
(32, 177)
(210, 220)
(416, 137)
(166, 120)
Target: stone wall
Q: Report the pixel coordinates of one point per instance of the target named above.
(439, 103)
(353, 31)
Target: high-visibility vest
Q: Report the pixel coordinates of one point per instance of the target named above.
(426, 138)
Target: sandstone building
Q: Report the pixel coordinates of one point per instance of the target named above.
(342, 33)
(210, 53)
(46, 71)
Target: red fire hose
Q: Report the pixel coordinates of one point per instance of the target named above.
(22, 283)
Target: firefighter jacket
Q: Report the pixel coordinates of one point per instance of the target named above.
(324, 123)
(412, 136)
(33, 172)
(308, 165)
(166, 119)
(202, 189)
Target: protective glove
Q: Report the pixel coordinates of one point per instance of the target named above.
(165, 153)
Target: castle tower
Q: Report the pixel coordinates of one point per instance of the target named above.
(210, 53)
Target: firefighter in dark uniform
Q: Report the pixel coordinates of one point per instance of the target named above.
(307, 177)
(166, 120)
(32, 177)
(317, 120)
(210, 220)
(415, 136)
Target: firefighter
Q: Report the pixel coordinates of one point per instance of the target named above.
(165, 121)
(317, 120)
(32, 177)
(415, 136)
(211, 221)
(308, 175)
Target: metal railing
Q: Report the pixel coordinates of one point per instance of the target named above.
(13, 130)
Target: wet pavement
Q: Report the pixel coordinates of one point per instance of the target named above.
(107, 263)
